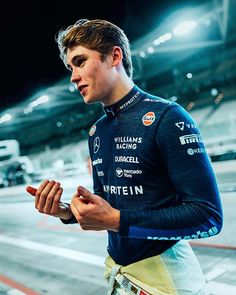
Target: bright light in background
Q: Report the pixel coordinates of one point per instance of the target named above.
(142, 54)
(162, 39)
(72, 87)
(41, 100)
(156, 42)
(28, 110)
(5, 118)
(181, 29)
(189, 75)
(173, 98)
(184, 27)
(214, 91)
(150, 49)
(59, 124)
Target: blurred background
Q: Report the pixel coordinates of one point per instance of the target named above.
(183, 51)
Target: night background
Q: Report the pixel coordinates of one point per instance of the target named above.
(44, 126)
(29, 55)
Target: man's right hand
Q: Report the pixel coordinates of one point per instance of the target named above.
(47, 199)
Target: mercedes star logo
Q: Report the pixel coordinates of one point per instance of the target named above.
(96, 145)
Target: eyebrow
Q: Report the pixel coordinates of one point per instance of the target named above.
(76, 57)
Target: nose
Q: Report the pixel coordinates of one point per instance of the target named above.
(75, 76)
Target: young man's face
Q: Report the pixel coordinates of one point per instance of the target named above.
(94, 78)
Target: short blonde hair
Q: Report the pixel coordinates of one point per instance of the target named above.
(97, 34)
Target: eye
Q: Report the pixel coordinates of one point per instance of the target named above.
(79, 61)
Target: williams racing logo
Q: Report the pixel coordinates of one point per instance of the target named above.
(148, 118)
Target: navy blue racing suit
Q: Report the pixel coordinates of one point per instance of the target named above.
(149, 161)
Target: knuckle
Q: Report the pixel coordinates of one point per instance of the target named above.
(82, 214)
(46, 211)
(43, 195)
(40, 210)
(53, 212)
(50, 198)
(56, 200)
(78, 218)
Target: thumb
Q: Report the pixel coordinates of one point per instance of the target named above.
(31, 190)
(86, 194)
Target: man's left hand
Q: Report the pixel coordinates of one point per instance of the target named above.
(93, 212)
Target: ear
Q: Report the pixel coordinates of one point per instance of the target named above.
(117, 56)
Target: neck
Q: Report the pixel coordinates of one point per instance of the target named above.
(121, 89)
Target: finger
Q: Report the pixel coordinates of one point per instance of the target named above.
(81, 198)
(76, 195)
(86, 194)
(75, 211)
(50, 197)
(79, 202)
(39, 191)
(43, 195)
(84, 200)
(56, 202)
(42, 185)
(31, 190)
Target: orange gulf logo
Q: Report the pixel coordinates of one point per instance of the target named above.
(148, 118)
(92, 130)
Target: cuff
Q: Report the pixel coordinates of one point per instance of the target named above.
(124, 223)
(69, 221)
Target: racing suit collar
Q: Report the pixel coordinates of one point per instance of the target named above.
(127, 101)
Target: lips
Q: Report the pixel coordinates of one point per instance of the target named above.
(82, 89)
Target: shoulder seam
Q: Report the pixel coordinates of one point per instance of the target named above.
(102, 117)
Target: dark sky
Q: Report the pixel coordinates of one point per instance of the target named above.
(28, 52)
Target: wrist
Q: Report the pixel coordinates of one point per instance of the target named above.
(116, 221)
(66, 212)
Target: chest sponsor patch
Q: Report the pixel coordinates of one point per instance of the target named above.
(92, 130)
(96, 144)
(148, 118)
(190, 138)
(184, 125)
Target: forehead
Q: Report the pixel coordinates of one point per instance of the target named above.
(80, 51)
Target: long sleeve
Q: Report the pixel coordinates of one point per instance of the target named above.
(197, 211)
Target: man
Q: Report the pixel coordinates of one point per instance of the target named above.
(154, 187)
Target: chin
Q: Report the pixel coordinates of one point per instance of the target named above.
(90, 100)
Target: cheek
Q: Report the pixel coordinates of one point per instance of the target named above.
(99, 74)
(93, 73)
(88, 73)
